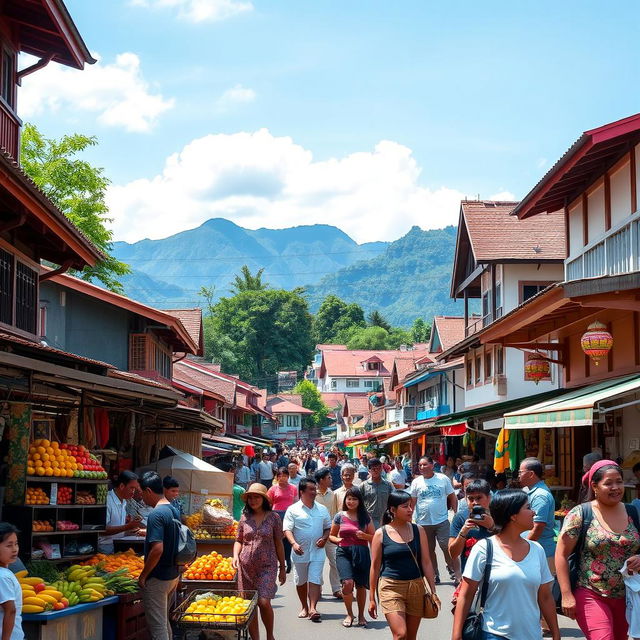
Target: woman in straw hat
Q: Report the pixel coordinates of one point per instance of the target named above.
(258, 545)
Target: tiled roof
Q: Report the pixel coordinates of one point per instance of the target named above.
(331, 347)
(349, 363)
(497, 235)
(450, 330)
(332, 400)
(39, 346)
(192, 321)
(357, 406)
(278, 405)
(219, 386)
(134, 377)
(404, 366)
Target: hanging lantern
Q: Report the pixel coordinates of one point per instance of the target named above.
(596, 342)
(536, 367)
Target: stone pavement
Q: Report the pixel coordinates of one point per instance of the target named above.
(288, 627)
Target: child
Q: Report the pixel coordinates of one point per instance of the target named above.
(10, 591)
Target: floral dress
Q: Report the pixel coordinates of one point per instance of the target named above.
(603, 555)
(258, 561)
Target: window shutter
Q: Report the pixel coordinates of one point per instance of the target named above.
(138, 352)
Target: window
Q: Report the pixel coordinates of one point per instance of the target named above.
(43, 322)
(488, 366)
(18, 293)
(486, 308)
(6, 287)
(334, 384)
(353, 383)
(469, 372)
(499, 361)
(8, 81)
(373, 366)
(369, 384)
(530, 289)
(478, 369)
(498, 313)
(148, 356)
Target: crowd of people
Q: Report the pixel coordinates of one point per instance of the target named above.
(376, 523)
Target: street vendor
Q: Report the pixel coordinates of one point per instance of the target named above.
(118, 522)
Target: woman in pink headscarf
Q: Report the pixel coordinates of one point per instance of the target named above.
(597, 598)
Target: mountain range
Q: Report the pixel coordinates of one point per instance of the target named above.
(403, 279)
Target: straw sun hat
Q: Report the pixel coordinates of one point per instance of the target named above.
(256, 489)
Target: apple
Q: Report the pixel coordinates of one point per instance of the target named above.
(41, 586)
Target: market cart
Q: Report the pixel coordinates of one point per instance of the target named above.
(187, 587)
(193, 623)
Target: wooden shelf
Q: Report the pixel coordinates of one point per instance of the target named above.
(84, 556)
(66, 506)
(67, 480)
(68, 533)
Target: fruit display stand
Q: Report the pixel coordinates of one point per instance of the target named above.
(209, 572)
(217, 611)
(69, 525)
(82, 621)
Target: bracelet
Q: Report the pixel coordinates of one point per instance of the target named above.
(461, 535)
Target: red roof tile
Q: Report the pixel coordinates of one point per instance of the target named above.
(357, 406)
(192, 321)
(349, 363)
(219, 386)
(333, 400)
(278, 405)
(331, 347)
(496, 235)
(134, 377)
(450, 330)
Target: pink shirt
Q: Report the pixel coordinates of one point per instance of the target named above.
(282, 498)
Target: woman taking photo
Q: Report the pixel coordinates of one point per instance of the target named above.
(399, 559)
(282, 495)
(598, 598)
(257, 547)
(352, 530)
(519, 586)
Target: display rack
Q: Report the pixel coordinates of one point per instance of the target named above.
(90, 518)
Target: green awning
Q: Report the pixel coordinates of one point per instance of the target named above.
(571, 409)
(498, 409)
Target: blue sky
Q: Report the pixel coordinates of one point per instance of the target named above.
(372, 116)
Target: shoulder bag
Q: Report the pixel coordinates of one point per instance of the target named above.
(431, 605)
(472, 628)
(574, 557)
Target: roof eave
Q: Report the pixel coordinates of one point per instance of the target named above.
(77, 48)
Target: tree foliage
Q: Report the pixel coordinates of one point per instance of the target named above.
(376, 319)
(257, 333)
(420, 331)
(78, 189)
(311, 399)
(335, 316)
(246, 281)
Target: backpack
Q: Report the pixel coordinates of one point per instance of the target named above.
(186, 548)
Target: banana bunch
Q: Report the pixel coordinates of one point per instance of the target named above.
(83, 582)
(38, 596)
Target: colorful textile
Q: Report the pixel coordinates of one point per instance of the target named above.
(501, 455)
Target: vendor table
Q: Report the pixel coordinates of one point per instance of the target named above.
(185, 587)
(82, 621)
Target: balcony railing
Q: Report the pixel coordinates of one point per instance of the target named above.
(618, 252)
(432, 410)
(9, 130)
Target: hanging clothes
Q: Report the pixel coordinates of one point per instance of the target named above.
(517, 451)
(101, 417)
(501, 455)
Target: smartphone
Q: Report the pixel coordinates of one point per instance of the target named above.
(477, 512)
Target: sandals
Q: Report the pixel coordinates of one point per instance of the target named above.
(315, 617)
(347, 622)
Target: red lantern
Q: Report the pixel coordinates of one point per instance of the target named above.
(596, 342)
(536, 367)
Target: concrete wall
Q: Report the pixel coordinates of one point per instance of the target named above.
(85, 326)
(324, 384)
(514, 274)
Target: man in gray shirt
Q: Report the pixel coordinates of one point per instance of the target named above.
(375, 492)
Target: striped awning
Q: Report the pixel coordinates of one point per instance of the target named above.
(572, 409)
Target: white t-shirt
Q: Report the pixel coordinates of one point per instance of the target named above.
(632, 594)
(512, 608)
(431, 495)
(116, 517)
(398, 477)
(308, 526)
(10, 590)
(266, 470)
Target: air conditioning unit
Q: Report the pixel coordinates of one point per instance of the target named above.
(409, 414)
(500, 382)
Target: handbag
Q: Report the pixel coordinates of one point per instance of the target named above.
(472, 628)
(430, 604)
(573, 560)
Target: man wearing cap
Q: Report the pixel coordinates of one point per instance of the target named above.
(375, 492)
(306, 526)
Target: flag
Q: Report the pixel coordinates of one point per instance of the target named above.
(501, 455)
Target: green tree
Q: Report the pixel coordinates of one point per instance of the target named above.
(246, 281)
(376, 319)
(311, 399)
(398, 337)
(267, 331)
(334, 316)
(420, 331)
(78, 189)
(375, 338)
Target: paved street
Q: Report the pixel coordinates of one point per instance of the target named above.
(289, 627)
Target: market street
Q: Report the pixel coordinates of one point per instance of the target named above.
(288, 626)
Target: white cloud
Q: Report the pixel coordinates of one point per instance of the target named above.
(257, 179)
(118, 93)
(503, 195)
(234, 96)
(199, 10)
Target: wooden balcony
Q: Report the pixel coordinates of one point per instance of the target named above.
(616, 253)
(9, 130)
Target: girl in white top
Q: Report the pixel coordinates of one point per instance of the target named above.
(520, 581)
(10, 590)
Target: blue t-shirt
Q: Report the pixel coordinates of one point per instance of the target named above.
(543, 504)
(162, 528)
(478, 533)
(336, 478)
